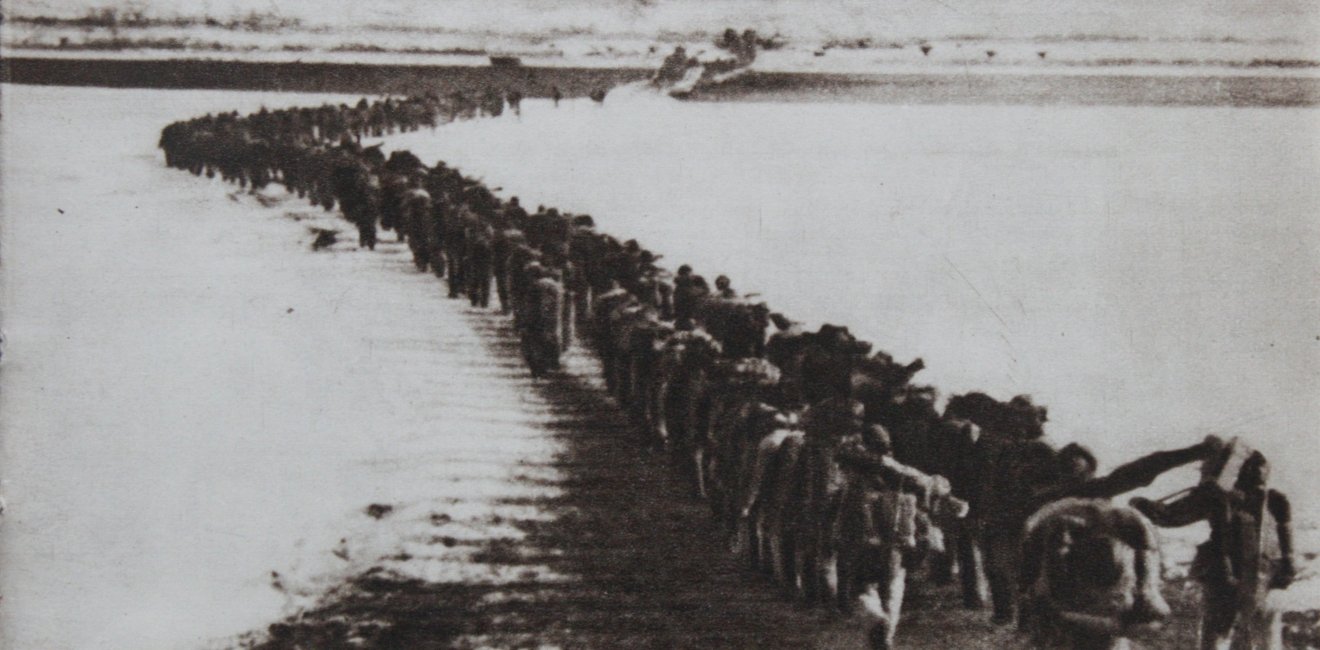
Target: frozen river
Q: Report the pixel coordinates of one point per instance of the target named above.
(183, 383)
(191, 400)
(1149, 273)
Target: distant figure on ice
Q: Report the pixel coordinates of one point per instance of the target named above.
(743, 48)
(673, 68)
(492, 103)
(555, 95)
(515, 98)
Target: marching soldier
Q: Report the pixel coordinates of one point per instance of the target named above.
(1250, 550)
(480, 265)
(540, 328)
(415, 215)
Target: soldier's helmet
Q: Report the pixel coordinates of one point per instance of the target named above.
(1076, 461)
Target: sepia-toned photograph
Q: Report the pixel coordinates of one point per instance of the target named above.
(659, 324)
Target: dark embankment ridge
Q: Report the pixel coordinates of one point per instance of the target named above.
(311, 77)
(1023, 88)
(1127, 89)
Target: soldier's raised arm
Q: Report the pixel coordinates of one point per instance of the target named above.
(1133, 475)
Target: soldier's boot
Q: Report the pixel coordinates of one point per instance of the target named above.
(367, 236)
(941, 568)
(969, 572)
(438, 262)
(1001, 598)
(1149, 605)
(502, 289)
(879, 636)
(1286, 571)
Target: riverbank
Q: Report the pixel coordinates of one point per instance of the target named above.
(1153, 86)
(325, 77)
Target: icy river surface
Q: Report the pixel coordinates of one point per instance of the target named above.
(1146, 272)
(191, 400)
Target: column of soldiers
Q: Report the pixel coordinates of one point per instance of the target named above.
(828, 467)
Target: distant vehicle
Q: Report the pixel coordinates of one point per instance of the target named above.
(504, 61)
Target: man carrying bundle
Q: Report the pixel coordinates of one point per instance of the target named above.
(1079, 502)
(480, 264)
(1250, 550)
(890, 515)
(416, 221)
(454, 234)
(503, 245)
(541, 327)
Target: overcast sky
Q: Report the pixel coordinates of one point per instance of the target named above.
(1296, 20)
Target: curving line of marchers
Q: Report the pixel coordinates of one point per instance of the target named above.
(827, 466)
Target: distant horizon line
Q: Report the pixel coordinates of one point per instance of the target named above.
(111, 18)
